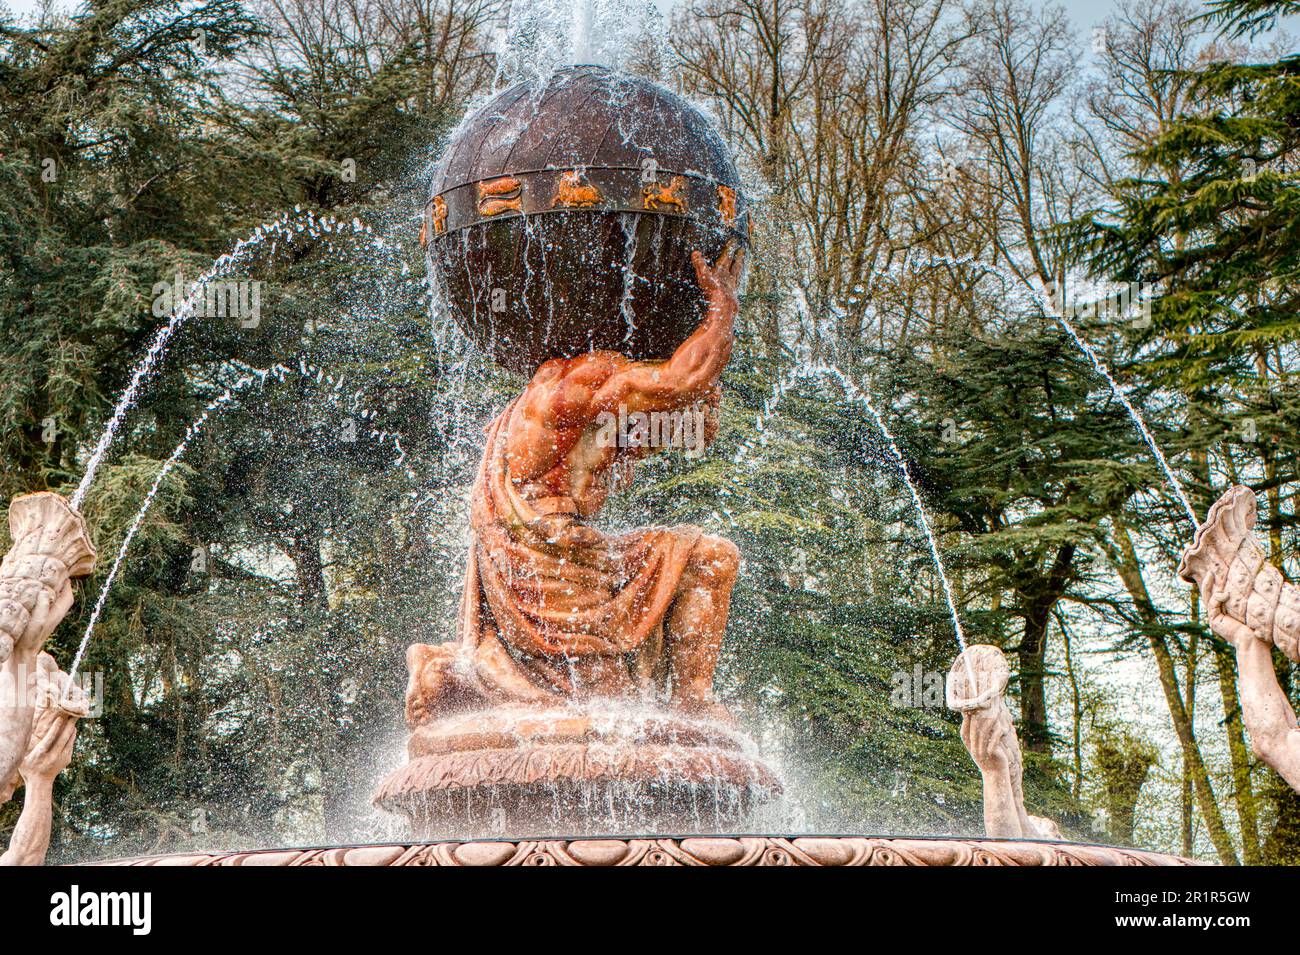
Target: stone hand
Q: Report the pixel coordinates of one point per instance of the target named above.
(1241, 586)
(984, 734)
(52, 749)
(1221, 622)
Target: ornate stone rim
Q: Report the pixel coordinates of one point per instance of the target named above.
(686, 850)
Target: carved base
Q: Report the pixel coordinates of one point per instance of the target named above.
(616, 768)
(697, 851)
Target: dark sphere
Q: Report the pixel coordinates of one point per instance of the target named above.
(562, 218)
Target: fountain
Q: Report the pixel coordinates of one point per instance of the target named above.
(570, 641)
(589, 232)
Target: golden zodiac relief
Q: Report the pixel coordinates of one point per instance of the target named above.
(496, 196)
(439, 216)
(727, 204)
(657, 198)
(571, 192)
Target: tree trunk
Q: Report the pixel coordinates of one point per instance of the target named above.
(1247, 813)
(1033, 691)
(1130, 573)
(1123, 763)
(1039, 603)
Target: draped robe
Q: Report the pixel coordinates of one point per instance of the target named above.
(552, 606)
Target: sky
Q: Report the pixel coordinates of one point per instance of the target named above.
(1086, 13)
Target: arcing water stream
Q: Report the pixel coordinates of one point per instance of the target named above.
(284, 228)
(134, 526)
(256, 376)
(1045, 302)
(861, 398)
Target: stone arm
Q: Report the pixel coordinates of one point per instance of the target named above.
(983, 734)
(1269, 718)
(692, 373)
(975, 688)
(17, 676)
(49, 756)
(31, 838)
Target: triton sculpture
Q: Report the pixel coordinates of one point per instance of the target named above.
(1249, 604)
(975, 689)
(57, 707)
(51, 548)
(38, 710)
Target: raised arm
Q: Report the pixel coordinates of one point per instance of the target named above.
(697, 364)
(17, 673)
(1265, 709)
(53, 736)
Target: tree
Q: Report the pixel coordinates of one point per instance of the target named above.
(1208, 218)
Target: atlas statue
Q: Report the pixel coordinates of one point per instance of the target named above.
(605, 270)
(553, 607)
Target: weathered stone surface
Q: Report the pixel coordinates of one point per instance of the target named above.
(1250, 605)
(602, 768)
(483, 853)
(598, 852)
(712, 851)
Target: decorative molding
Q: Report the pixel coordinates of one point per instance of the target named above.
(546, 766)
(522, 769)
(688, 851)
(609, 189)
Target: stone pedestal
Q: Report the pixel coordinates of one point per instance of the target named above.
(616, 768)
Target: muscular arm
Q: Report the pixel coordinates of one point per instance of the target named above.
(31, 838)
(566, 396)
(984, 733)
(56, 728)
(1001, 816)
(696, 365)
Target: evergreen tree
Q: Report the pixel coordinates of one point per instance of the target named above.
(1211, 224)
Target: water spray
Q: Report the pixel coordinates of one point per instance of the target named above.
(285, 227)
(256, 376)
(1045, 301)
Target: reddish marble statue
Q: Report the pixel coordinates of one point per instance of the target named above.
(553, 608)
(570, 640)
